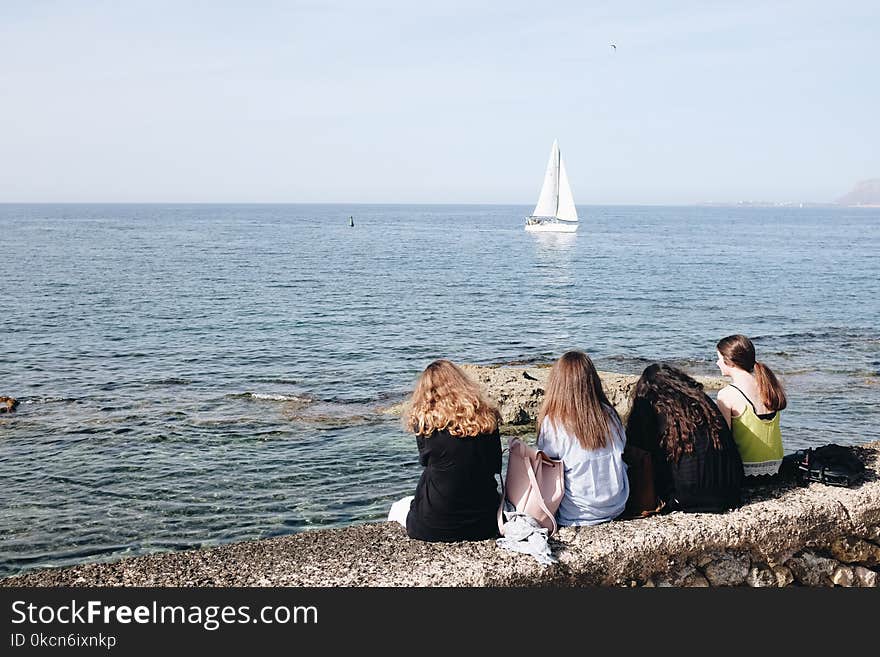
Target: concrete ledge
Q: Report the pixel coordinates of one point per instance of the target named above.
(817, 536)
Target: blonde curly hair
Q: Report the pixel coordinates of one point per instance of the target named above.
(447, 399)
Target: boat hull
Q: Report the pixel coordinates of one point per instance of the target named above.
(552, 227)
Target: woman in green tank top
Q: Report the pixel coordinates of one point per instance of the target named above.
(751, 405)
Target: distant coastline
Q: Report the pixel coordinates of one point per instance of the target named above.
(782, 204)
(764, 204)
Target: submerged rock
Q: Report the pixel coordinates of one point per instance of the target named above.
(8, 404)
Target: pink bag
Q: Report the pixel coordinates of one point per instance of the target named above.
(534, 485)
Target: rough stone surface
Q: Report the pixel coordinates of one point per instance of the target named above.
(729, 570)
(686, 576)
(843, 576)
(783, 574)
(872, 534)
(865, 577)
(810, 569)
(855, 550)
(782, 525)
(695, 580)
(761, 576)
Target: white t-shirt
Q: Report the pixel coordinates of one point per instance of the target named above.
(596, 487)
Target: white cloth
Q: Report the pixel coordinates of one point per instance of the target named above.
(400, 510)
(522, 533)
(596, 487)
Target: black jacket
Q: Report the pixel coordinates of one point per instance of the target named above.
(457, 495)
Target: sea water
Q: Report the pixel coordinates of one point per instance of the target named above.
(197, 374)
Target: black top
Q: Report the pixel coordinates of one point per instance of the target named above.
(704, 480)
(457, 495)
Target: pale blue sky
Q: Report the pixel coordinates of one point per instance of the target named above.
(436, 101)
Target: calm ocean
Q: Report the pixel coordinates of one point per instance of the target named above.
(191, 375)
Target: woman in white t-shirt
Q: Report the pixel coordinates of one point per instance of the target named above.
(579, 425)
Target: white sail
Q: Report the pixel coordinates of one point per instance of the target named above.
(555, 211)
(548, 201)
(565, 210)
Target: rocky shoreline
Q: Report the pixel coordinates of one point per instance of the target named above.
(519, 391)
(784, 535)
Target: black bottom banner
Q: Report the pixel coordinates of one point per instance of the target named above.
(137, 620)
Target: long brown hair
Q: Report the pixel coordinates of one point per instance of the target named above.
(575, 399)
(738, 351)
(680, 406)
(447, 399)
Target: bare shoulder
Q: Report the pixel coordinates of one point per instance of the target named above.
(731, 398)
(727, 393)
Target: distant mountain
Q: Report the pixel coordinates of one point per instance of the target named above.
(866, 192)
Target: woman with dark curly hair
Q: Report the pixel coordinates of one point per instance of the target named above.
(697, 466)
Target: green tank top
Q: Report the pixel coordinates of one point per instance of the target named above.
(759, 440)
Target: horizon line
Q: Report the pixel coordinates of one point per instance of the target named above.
(449, 203)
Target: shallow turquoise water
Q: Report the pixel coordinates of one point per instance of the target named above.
(199, 374)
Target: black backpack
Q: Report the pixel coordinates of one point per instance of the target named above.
(832, 464)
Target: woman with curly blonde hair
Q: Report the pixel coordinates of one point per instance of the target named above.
(456, 430)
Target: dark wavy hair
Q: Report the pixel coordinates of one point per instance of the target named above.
(679, 404)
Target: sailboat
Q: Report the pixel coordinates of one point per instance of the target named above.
(555, 211)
